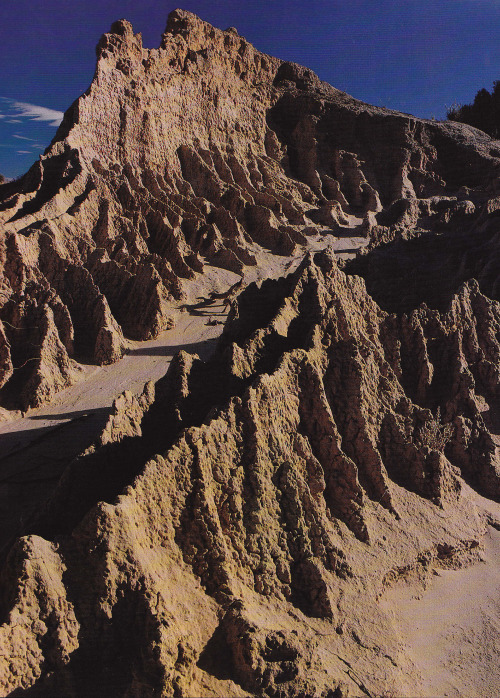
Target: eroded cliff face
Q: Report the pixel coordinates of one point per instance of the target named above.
(234, 528)
(430, 267)
(202, 151)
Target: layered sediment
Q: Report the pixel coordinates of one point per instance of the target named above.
(199, 153)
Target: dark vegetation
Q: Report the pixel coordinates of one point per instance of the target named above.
(483, 113)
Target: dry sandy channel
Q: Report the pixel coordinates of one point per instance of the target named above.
(35, 448)
(193, 332)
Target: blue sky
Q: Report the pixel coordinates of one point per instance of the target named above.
(416, 56)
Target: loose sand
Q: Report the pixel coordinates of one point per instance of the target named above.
(451, 630)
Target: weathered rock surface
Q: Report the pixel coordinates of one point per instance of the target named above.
(430, 267)
(192, 154)
(233, 529)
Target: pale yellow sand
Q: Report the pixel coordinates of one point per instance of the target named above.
(452, 629)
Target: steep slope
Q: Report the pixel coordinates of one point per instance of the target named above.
(235, 528)
(429, 268)
(202, 151)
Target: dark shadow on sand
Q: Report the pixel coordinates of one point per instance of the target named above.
(203, 348)
(14, 443)
(71, 415)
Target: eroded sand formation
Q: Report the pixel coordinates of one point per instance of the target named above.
(237, 528)
(192, 154)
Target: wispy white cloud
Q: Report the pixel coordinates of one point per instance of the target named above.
(24, 152)
(36, 113)
(14, 121)
(33, 112)
(24, 138)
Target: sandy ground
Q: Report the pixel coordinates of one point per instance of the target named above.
(451, 631)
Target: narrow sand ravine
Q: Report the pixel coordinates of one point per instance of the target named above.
(35, 448)
(149, 360)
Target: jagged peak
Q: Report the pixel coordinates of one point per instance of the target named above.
(122, 27)
(179, 20)
(119, 40)
(182, 22)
